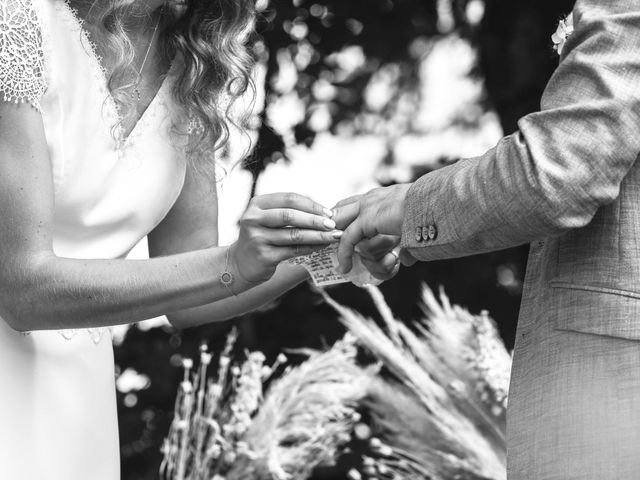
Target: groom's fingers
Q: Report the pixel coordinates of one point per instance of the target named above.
(377, 247)
(347, 201)
(353, 235)
(344, 215)
(406, 258)
(385, 268)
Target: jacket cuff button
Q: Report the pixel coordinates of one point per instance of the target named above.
(425, 233)
(432, 232)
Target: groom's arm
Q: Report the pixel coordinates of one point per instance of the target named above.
(564, 163)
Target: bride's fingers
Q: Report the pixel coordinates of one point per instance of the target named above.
(288, 217)
(297, 236)
(293, 201)
(285, 253)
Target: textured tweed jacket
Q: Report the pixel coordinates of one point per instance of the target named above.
(567, 181)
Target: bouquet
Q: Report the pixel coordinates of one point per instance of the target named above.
(425, 400)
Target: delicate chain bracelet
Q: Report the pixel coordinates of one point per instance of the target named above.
(227, 278)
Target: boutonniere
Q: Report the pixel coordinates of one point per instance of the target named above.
(565, 29)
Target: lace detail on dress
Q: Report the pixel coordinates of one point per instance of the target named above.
(76, 25)
(96, 334)
(22, 70)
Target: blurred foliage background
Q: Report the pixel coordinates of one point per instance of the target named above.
(354, 94)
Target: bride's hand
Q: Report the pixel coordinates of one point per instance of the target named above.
(277, 227)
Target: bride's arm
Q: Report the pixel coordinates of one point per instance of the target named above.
(39, 290)
(192, 224)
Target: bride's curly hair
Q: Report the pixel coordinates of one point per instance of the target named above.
(210, 40)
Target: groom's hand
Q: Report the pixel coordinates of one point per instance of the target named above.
(378, 212)
(380, 256)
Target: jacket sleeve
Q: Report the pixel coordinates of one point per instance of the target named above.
(562, 164)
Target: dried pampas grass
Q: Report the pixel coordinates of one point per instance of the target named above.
(455, 366)
(432, 405)
(307, 417)
(223, 429)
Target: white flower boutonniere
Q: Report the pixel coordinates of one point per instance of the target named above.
(565, 29)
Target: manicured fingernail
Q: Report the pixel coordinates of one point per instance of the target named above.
(337, 234)
(330, 224)
(328, 213)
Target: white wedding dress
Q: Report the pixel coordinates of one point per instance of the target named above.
(57, 394)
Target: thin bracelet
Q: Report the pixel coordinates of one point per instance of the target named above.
(227, 278)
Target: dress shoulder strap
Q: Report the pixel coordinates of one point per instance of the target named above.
(22, 69)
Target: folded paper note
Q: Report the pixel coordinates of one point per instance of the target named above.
(323, 268)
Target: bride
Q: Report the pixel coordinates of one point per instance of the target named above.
(112, 112)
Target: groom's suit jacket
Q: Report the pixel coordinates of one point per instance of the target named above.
(567, 182)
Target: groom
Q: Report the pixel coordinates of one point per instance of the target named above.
(567, 181)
